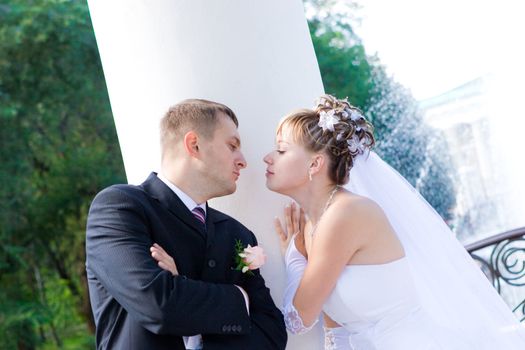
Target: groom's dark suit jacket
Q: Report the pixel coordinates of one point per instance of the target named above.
(137, 305)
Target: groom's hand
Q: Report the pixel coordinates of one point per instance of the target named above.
(165, 261)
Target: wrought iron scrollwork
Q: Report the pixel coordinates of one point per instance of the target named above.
(505, 265)
(520, 311)
(509, 257)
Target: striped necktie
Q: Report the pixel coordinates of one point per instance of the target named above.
(199, 213)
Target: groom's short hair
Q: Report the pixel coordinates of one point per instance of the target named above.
(198, 115)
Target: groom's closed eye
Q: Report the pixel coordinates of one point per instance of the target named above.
(235, 144)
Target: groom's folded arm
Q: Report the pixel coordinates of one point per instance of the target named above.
(117, 248)
(268, 330)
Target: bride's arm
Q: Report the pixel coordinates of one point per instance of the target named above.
(292, 247)
(339, 235)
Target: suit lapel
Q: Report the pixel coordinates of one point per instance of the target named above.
(158, 190)
(213, 217)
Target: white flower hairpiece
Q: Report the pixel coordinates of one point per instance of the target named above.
(327, 120)
(355, 115)
(356, 145)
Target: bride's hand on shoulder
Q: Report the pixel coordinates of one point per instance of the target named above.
(294, 225)
(165, 261)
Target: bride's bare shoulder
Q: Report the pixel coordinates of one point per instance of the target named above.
(353, 216)
(352, 201)
(357, 209)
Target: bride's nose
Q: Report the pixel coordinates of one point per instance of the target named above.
(267, 159)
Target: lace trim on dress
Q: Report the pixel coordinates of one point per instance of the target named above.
(337, 338)
(329, 339)
(293, 321)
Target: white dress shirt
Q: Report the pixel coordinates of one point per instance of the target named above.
(188, 202)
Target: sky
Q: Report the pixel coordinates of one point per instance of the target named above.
(433, 46)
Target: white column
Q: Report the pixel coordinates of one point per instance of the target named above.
(254, 56)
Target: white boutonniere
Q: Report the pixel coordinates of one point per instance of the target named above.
(249, 258)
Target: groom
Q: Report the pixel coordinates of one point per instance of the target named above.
(209, 304)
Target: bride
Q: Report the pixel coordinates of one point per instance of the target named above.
(373, 257)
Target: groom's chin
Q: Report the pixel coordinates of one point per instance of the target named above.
(226, 191)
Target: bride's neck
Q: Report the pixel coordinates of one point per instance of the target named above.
(313, 200)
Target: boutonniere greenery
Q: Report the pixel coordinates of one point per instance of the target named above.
(248, 258)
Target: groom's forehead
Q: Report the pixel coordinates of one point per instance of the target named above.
(228, 130)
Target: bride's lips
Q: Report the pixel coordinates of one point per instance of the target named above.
(237, 174)
(268, 173)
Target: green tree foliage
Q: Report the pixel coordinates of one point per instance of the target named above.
(57, 149)
(418, 152)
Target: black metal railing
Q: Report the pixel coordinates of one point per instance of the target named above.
(502, 259)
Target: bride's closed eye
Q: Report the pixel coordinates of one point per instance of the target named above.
(279, 151)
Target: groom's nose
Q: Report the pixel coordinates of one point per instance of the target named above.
(241, 161)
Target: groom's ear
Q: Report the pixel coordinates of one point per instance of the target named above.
(191, 143)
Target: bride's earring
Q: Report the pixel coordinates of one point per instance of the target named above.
(310, 175)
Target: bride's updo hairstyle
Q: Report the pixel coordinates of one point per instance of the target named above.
(335, 127)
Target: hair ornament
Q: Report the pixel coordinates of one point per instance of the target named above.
(327, 120)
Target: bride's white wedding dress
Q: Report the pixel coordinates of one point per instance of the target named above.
(433, 298)
(379, 308)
